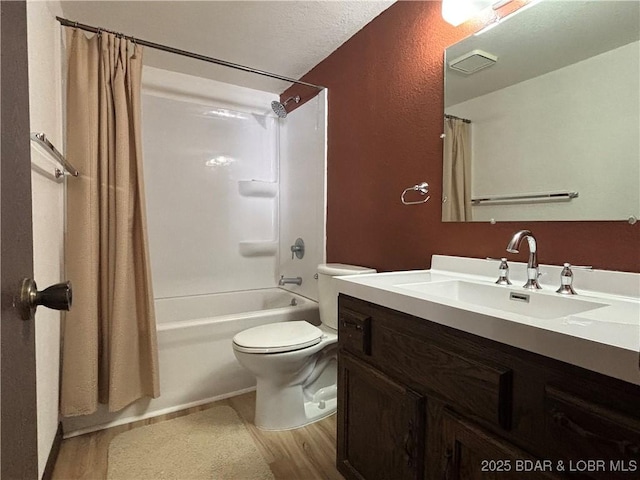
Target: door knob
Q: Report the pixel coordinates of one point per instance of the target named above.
(56, 297)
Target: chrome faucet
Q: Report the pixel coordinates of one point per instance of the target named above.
(295, 281)
(532, 265)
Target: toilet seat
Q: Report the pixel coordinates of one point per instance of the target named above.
(277, 337)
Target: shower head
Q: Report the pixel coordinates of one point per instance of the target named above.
(279, 108)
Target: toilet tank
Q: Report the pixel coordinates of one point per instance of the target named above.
(327, 291)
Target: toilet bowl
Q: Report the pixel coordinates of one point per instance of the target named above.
(295, 363)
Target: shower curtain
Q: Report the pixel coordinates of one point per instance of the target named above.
(109, 350)
(456, 166)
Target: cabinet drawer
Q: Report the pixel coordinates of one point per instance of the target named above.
(473, 387)
(579, 429)
(354, 331)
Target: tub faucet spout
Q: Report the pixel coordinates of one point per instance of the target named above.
(532, 265)
(294, 281)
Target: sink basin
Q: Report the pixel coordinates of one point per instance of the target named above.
(519, 301)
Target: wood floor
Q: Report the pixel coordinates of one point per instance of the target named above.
(306, 453)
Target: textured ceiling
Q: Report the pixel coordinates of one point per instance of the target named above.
(287, 37)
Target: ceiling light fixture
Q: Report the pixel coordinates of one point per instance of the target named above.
(456, 12)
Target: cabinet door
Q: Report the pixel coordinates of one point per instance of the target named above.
(380, 424)
(578, 430)
(471, 453)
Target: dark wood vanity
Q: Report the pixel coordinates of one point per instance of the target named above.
(419, 400)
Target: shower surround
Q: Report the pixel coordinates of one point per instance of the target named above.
(229, 189)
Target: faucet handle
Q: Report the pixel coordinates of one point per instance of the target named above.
(566, 278)
(503, 261)
(566, 281)
(503, 278)
(297, 249)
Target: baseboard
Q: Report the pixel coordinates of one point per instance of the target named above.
(53, 454)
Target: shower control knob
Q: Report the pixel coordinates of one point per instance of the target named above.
(297, 249)
(56, 297)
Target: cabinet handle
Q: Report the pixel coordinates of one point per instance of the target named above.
(448, 454)
(350, 324)
(624, 446)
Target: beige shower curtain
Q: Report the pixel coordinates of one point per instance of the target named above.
(109, 351)
(456, 184)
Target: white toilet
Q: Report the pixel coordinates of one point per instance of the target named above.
(295, 362)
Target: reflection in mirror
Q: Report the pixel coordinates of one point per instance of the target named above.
(547, 124)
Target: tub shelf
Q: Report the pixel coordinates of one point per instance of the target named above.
(258, 248)
(257, 188)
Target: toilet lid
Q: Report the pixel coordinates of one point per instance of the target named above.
(277, 337)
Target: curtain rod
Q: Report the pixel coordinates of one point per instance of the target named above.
(185, 53)
(465, 120)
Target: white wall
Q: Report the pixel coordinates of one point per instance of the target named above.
(303, 167)
(45, 106)
(206, 233)
(520, 142)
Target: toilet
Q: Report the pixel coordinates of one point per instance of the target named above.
(295, 363)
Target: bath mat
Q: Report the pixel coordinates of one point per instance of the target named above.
(211, 444)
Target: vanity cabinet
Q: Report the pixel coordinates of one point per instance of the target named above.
(419, 400)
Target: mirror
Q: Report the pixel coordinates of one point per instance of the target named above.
(552, 116)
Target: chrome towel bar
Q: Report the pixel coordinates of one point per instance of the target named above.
(42, 140)
(526, 198)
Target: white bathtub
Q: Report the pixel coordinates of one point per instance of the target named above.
(271, 304)
(196, 359)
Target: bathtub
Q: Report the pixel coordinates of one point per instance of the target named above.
(195, 333)
(227, 309)
(196, 360)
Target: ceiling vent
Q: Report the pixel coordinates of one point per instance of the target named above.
(473, 61)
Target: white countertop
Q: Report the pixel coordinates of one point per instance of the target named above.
(605, 339)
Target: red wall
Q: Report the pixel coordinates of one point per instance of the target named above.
(385, 120)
